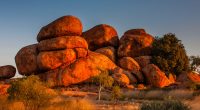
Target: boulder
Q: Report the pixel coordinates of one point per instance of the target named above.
(132, 78)
(79, 71)
(135, 32)
(155, 76)
(131, 65)
(188, 78)
(81, 52)
(26, 60)
(143, 60)
(4, 88)
(53, 59)
(7, 72)
(109, 51)
(63, 26)
(64, 42)
(121, 79)
(101, 36)
(135, 45)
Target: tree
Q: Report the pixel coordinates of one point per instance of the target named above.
(169, 55)
(103, 80)
(195, 62)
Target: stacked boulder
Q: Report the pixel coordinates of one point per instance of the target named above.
(64, 55)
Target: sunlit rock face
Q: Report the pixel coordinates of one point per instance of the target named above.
(102, 35)
(135, 43)
(79, 71)
(155, 76)
(66, 25)
(7, 71)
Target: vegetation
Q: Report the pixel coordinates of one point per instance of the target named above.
(116, 93)
(104, 80)
(195, 62)
(169, 55)
(31, 91)
(164, 105)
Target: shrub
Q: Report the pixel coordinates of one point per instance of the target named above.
(169, 55)
(164, 105)
(30, 90)
(116, 93)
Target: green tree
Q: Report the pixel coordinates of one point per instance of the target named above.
(116, 93)
(31, 91)
(195, 62)
(103, 80)
(169, 55)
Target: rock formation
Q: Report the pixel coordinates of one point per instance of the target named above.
(101, 36)
(109, 51)
(7, 72)
(135, 43)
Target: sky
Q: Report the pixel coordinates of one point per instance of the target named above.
(21, 20)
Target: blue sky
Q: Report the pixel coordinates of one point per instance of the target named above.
(21, 20)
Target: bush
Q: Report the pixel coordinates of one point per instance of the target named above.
(116, 93)
(164, 105)
(31, 91)
(169, 55)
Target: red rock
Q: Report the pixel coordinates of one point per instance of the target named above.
(109, 51)
(131, 65)
(63, 26)
(132, 79)
(121, 79)
(189, 77)
(81, 52)
(7, 72)
(64, 42)
(101, 36)
(53, 59)
(26, 60)
(155, 76)
(134, 45)
(79, 71)
(143, 60)
(135, 32)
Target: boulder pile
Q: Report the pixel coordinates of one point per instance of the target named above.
(64, 55)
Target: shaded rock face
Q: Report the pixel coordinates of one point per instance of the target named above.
(7, 72)
(121, 79)
(143, 60)
(26, 60)
(101, 36)
(132, 79)
(187, 78)
(109, 51)
(131, 65)
(155, 76)
(135, 44)
(66, 25)
(79, 71)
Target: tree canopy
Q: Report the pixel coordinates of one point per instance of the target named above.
(169, 54)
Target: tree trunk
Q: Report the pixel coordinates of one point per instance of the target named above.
(99, 98)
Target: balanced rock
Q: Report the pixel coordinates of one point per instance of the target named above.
(66, 25)
(109, 51)
(26, 60)
(133, 44)
(53, 59)
(132, 79)
(79, 71)
(63, 42)
(143, 60)
(7, 72)
(155, 76)
(101, 36)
